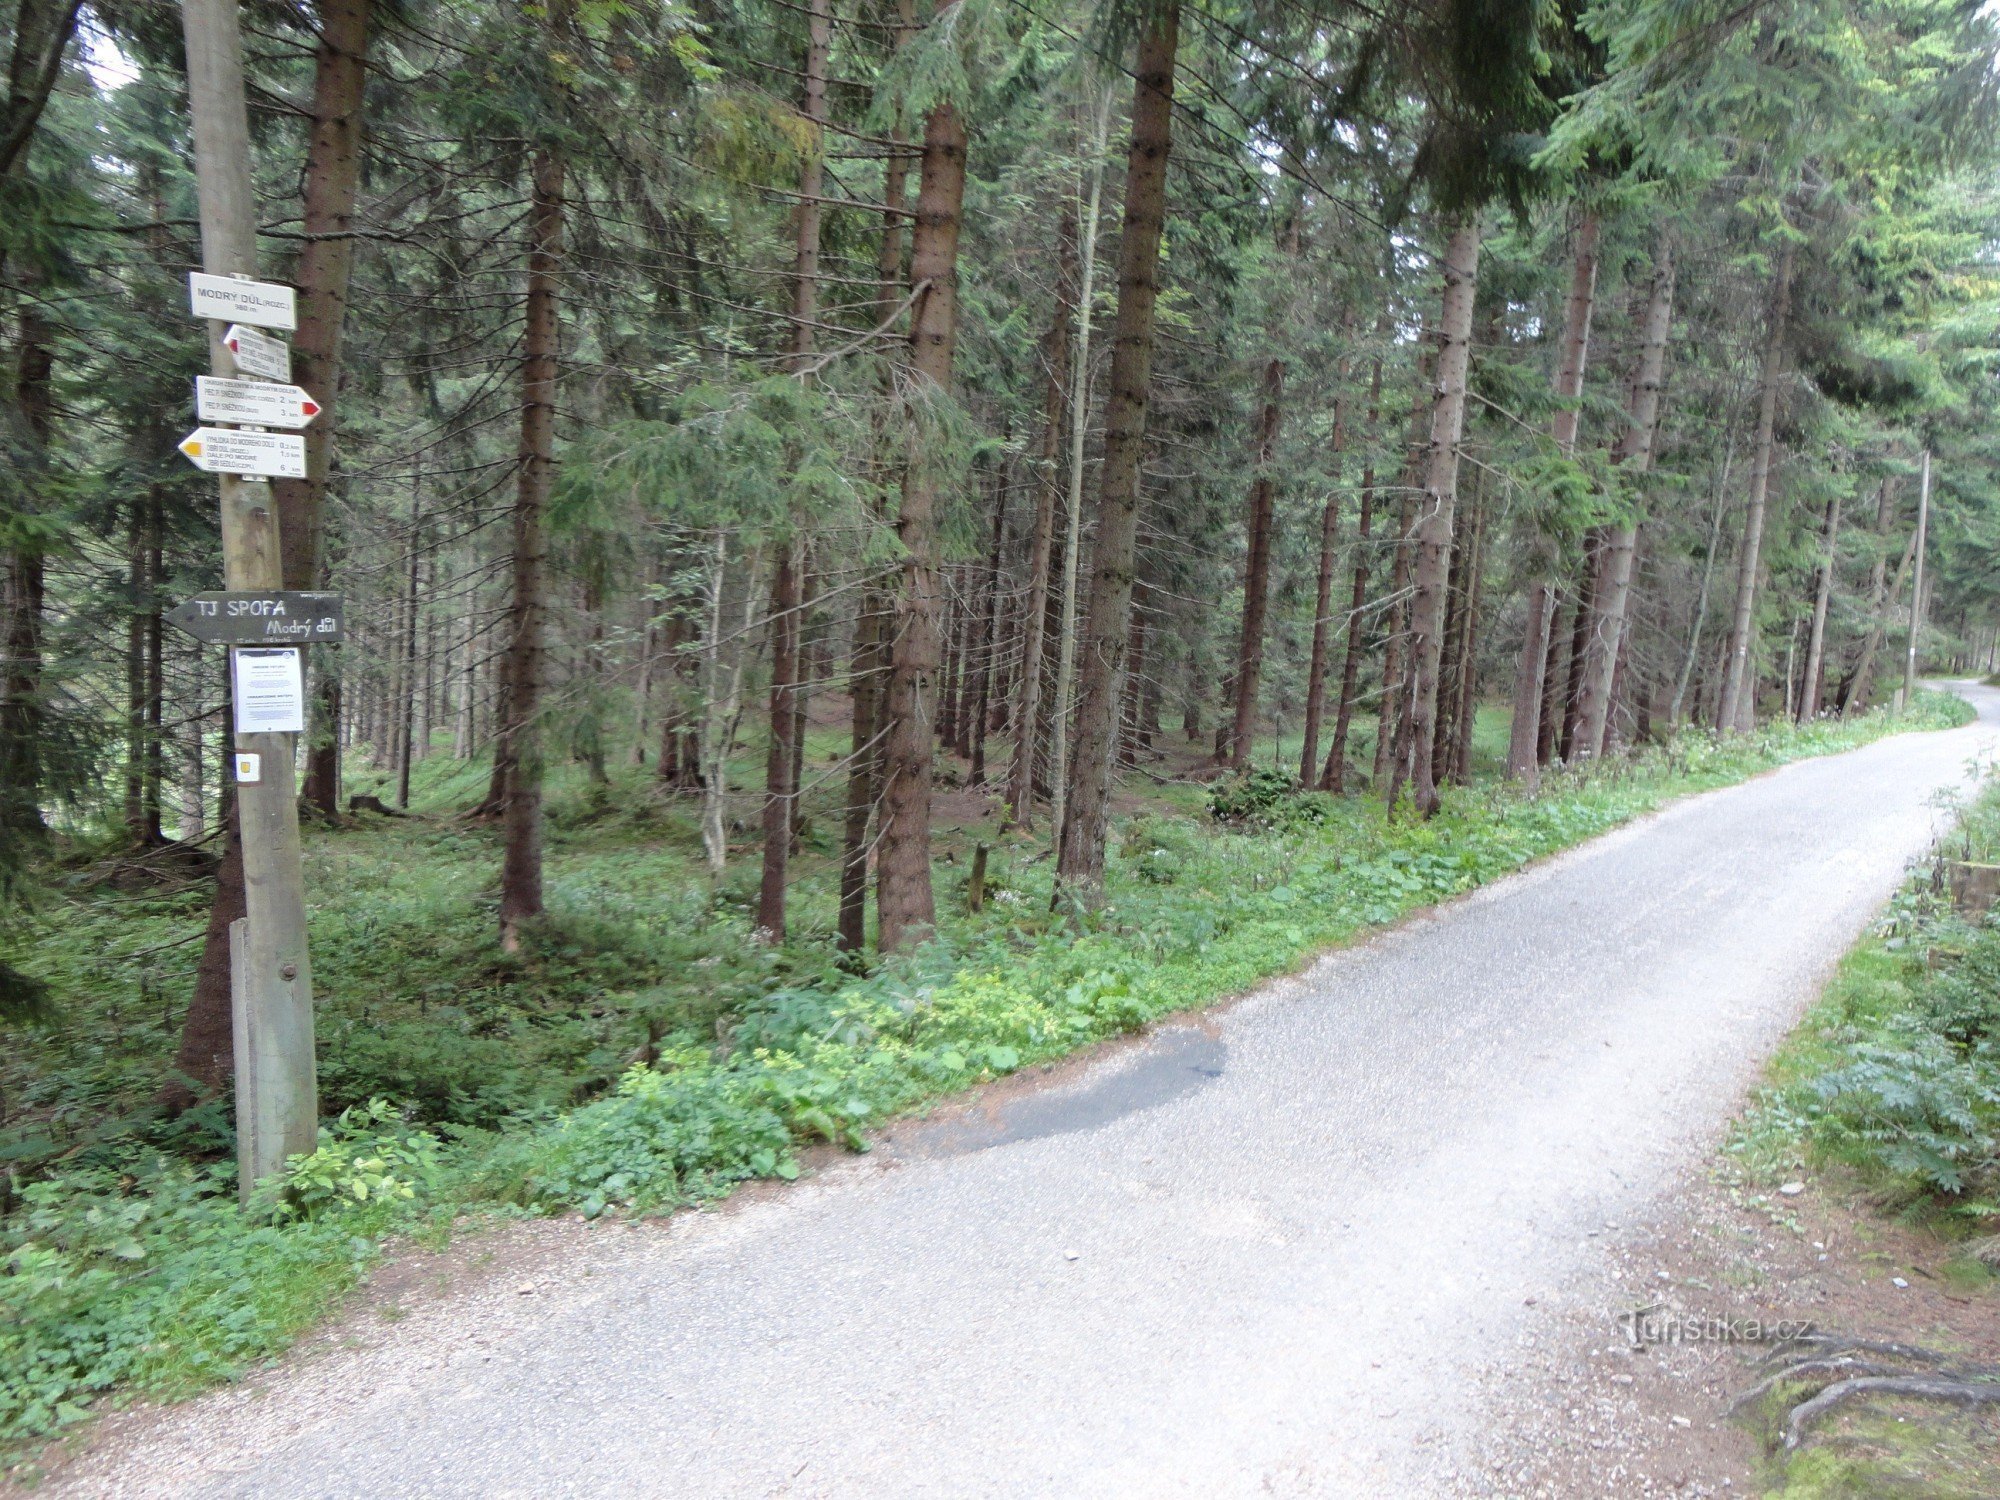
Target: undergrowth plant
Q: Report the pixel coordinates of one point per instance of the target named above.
(1895, 1073)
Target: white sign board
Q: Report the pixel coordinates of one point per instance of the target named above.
(269, 690)
(258, 353)
(263, 304)
(264, 455)
(255, 403)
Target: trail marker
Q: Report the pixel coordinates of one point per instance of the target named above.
(269, 617)
(262, 455)
(253, 403)
(266, 304)
(258, 353)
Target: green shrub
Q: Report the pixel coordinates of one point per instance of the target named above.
(1897, 1071)
(1264, 798)
(369, 1154)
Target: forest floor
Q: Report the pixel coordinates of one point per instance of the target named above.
(1579, 1412)
(1334, 1239)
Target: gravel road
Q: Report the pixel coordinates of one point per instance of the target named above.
(1276, 1254)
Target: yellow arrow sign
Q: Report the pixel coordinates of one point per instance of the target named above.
(248, 453)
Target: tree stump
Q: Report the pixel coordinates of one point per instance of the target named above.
(1974, 887)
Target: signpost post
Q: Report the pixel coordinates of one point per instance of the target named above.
(277, 1099)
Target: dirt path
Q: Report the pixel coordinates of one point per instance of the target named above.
(1294, 1252)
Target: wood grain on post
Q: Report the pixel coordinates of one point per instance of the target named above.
(277, 1088)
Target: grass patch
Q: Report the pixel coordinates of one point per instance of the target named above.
(645, 1053)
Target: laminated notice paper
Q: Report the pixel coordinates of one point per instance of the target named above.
(270, 690)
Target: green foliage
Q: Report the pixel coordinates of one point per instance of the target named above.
(1897, 1070)
(368, 1155)
(151, 1279)
(1264, 798)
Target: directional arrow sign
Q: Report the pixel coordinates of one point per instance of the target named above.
(272, 617)
(256, 403)
(258, 353)
(263, 455)
(265, 304)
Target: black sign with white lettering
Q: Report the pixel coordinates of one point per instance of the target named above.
(281, 617)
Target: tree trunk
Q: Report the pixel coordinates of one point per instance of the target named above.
(206, 1054)
(332, 180)
(1394, 649)
(1633, 458)
(193, 810)
(1860, 679)
(1316, 663)
(952, 601)
(906, 906)
(869, 661)
(863, 788)
(1809, 692)
(778, 788)
(787, 731)
(1444, 753)
(153, 772)
(1434, 530)
(1699, 616)
(137, 589)
(986, 647)
(1061, 768)
(1739, 686)
(520, 747)
(1034, 617)
(1135, 680)
(1554, 675)
(21, 727)
(811, 655)
(406, 705)
(1468, 659)
(1080, 862)
(1579, 644)
(1524, 736)
(1333, 776)
(1259, 524)
(1329, 549)
(42, 30)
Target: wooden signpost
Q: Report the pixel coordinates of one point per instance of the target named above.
(277, 1091)
(262, 617)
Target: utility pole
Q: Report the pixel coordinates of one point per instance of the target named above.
(1917, 584)
(277, 1094)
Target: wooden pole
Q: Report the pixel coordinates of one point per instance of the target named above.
(277, 1095)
